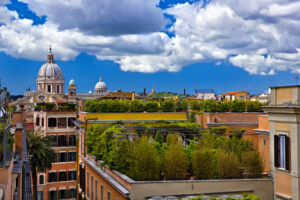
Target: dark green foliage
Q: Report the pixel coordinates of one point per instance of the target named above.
(209, 105)
(220, 130)
(146, 163)
(67, 107)
(181, 105)
(151, 106)
(238, 106)
(195, 105)
(167, 105)
(254, 106)
(42, 155)
(253, 164)
(137, 106)
(175, 163)
(155, 157)
(229, 165)
(204, 163)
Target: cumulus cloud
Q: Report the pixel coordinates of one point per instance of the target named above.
(105, 17)
(259, 36)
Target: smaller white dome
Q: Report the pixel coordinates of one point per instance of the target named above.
(100, 87)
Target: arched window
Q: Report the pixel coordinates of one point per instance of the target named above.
(57, 89)
(49, 88)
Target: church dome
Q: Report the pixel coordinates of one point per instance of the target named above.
(50, 70)
(100, 87)
(72, 82)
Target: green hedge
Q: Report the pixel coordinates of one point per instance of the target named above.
(169, 105)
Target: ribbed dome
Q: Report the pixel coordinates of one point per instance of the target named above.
(50, 70)
(100, 85)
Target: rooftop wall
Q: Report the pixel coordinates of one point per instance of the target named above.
(172, 116)
(260, 187)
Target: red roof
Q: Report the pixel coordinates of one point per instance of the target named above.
(233, 93)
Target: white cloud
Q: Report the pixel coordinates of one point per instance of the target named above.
(106, 17)
(259, 36)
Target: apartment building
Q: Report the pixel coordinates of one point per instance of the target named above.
(60, 181)
(284, 114)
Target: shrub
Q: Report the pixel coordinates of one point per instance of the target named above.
(151, 106)
(253, 164)
(146, 160)
(167, 105)
(175, 163)
(254, 106)
(229, 165)
(203, 162)
(238, 106)
(137, 106)
(195, 105)
(221, 130)
(181, 105)
(192, 117)
(209, 105)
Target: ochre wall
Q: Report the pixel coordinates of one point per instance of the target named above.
(264, 150)
(263, 122)
(134, 116)
(284, 94)
(283, 183)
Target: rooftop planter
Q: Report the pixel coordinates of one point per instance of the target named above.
(54, 108)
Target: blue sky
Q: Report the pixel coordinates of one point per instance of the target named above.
(220, 45)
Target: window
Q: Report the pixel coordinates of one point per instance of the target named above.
(87, 185)
(62, 140)
(41, 179)
(62, 194)
(51, 122)
(265, 142)
(101, 192)
(57, 89)
(72, 156)
(40, 195)
(42, 122)
(71, 121)
(281, 151)
(37, 121)
(53, 195)
(62, 157)
(242, 97)
(96, 190)
(52, 177)
(108, 195)
(72, 193)
(92, 188)
(49, 88)
(63, 176)
(71, 175)
(72, 140)
(54, 139)
(62, 122)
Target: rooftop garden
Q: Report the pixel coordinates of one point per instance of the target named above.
(54, 107)
(245, 196)
(170, 105)
(168, 154)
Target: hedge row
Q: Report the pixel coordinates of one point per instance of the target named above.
(134, 106)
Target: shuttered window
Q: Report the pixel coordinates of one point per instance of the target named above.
(282, 151)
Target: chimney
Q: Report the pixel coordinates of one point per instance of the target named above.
(184, 91)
